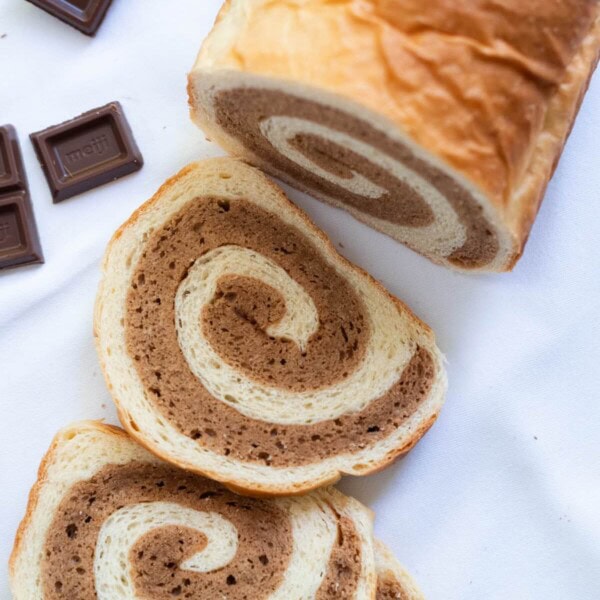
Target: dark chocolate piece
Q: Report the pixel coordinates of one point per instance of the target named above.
(19, 241)
(87, 151)
(85, 15)
(12, 174)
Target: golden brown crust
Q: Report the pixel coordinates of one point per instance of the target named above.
(223, 11)
(487, 48)
(258, 490)
(562, 112)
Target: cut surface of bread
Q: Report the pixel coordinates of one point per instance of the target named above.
(437, 122)
(238, 344)
(393, 581)
(107, 520)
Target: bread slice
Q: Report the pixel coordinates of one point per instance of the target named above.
(438, 123)
(393, 581)
(238, 344)
(108, 520)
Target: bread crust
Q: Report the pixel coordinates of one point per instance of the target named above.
(284, 62)
(562, 113)
(261, 489)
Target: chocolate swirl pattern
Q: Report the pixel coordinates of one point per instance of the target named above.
(357, 164)
(238, 344)
(108, 520)
(435, 124)
(349, 162)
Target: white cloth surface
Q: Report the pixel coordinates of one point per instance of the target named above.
(502, 498)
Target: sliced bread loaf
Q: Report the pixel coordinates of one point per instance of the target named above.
(108, 520)
(438, 123)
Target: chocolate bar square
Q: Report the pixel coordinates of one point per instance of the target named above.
(12, 174)
(19, 241)
(86, 152)
(85, 15)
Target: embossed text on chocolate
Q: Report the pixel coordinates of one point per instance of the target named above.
(97, 145)
(86, 148)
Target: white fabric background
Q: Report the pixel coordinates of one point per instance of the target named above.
(502, 498)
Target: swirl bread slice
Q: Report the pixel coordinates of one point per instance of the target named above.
(238, 344)
(107, 520)
(437, 122)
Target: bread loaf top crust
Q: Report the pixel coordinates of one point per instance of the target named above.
(490, 88)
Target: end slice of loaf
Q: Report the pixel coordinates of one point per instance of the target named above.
(238, 344)
(108, 520)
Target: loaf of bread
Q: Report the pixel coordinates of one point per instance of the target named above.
(108, 520)
(238, 344)
(438, 122)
